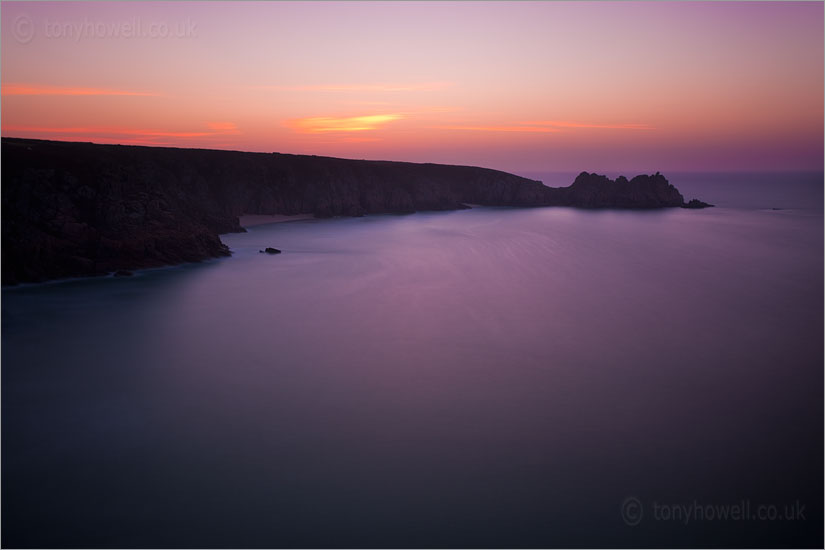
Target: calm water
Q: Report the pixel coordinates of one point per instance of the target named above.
(491, 377)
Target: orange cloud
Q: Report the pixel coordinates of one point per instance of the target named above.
(421, 87)
(35, 89)
(315, 125)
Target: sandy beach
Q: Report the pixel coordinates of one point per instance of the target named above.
(251, 220)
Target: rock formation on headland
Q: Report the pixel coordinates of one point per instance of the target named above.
(74, 209)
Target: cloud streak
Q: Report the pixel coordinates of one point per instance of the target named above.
(544, 127)
(385, 87)
(568, 124)
(529, 129)
(40, 90)
(114, 132)
(317, 125)
(223, 127)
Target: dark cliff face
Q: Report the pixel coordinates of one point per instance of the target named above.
(74, 209)
(69, 211)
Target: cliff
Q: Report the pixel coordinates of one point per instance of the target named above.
(73, 209)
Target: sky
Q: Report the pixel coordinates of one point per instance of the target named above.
(517, 86)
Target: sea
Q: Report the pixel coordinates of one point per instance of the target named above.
(484, 378)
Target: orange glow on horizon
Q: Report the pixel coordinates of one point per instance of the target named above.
(670, 85)
(315, 125)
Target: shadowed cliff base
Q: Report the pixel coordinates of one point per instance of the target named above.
(79, 209)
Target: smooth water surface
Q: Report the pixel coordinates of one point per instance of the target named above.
(489, 377)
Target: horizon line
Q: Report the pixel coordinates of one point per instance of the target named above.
(517, 172)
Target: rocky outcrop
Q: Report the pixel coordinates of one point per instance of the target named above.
(595, 191)
(74, 209)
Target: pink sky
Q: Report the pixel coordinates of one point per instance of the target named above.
(533, 86)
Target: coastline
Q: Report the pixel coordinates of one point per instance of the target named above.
(141, 221)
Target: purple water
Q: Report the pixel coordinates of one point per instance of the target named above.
(485, 378)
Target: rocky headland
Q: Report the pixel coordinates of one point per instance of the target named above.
(78, 209)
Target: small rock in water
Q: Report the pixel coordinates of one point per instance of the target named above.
(269, 250)
(123, 273)
(693, 203)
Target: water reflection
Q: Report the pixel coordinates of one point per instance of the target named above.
(494, 377)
